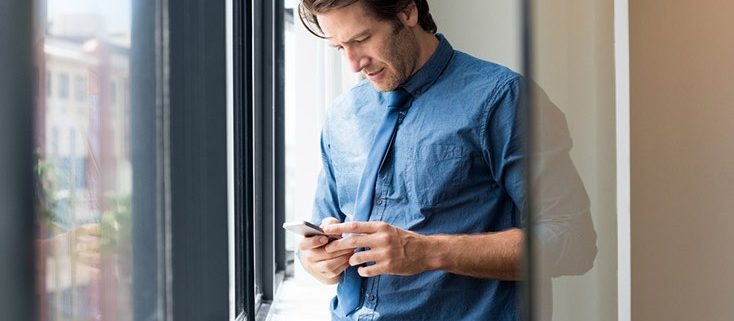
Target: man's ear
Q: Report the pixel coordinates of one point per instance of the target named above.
(409, 15)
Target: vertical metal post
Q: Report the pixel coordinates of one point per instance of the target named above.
(17, 88)
(528, 290)
(149, 290)
(279, 135)
(198, 159)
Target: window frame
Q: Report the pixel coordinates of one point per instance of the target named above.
(151, 287)
(17, 83)
(263, 64)
(243, 156)
(196, 57)
(184, 44)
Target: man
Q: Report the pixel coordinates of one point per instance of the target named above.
(424, 169)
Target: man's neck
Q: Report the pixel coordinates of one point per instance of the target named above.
(427, 44)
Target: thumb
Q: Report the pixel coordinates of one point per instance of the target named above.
(329, 221)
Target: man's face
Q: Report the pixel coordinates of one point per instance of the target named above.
(384, 52)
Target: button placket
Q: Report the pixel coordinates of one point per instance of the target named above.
(381, 190)
(370, 294)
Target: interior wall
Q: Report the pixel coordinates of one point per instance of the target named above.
(486, 29)
(573, 56)
(682, 159)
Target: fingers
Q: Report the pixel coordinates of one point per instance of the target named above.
(91, 229)
(333, 267)
(318, 255)
(89, 259)
(359, 241)
(356, 227)
(352, 242)
(86, 245)
(372, 270)
(335, 263)
(328, 221)
(308, 243)
(364, 257)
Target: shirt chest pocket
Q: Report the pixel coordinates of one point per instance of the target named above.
(438, 173)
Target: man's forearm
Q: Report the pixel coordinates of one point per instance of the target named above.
(490, 255)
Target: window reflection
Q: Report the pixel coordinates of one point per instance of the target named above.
(84, 169)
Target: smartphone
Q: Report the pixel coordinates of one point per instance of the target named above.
(306, 229)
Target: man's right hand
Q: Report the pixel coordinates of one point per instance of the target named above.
(324, 266)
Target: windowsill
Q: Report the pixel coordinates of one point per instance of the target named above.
(301, 298)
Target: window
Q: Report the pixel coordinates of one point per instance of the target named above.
(110, 230)
(113, 229)
(80, 88)
(63, 85)
(88, 256)
(49, 82)
(259, 170)
(54, 142)
(306, 103)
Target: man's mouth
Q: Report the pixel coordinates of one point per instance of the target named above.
(373, 75)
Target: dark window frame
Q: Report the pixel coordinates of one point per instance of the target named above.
(199, 220)
(528, 289)
(268, 158)
(243, 156)
(148, 97)
(17, 83)
(178, 118)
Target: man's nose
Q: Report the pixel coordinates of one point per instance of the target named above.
(357, 61)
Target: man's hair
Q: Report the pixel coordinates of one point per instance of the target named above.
(386, 10)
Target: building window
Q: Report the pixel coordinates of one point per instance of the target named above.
(49, 82)
(64, 85)
(55, 141)
(80, 88)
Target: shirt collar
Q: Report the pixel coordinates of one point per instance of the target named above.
(427, 75)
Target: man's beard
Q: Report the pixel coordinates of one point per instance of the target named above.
(400, 58)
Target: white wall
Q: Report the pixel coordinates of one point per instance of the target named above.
(682, 159)
(486, 29)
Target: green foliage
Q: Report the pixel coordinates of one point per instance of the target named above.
(116, 225)
(47, 204)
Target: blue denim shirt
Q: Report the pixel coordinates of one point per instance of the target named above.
(456, 167)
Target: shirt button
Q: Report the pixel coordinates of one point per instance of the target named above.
(371, 298)
(379, 202)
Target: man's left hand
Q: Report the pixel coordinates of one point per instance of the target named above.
(393, 250)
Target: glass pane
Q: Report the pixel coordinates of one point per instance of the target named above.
(86, 251)
(573, 168)
(314, 75)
